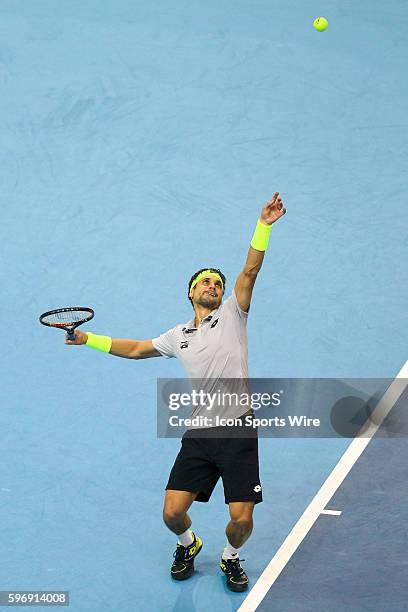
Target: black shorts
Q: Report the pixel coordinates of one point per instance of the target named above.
(203, 460)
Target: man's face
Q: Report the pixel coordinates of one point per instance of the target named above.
(208, 292)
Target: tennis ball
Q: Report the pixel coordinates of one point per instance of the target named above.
(320, 24)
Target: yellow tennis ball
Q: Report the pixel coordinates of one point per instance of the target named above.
(320, 24)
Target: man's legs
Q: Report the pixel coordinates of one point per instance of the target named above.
(241, 524)
(238, 531)
(176, 504)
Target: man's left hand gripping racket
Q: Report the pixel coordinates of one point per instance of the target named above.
(67, 318)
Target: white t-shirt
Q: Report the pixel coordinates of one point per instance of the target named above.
(217, 349)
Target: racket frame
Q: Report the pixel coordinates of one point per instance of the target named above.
(70, 328)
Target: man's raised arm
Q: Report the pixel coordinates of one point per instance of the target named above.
(271, 212)
(120, 347)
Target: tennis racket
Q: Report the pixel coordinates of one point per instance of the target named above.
(67, 318)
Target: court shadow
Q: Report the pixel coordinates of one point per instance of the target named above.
(204, 591)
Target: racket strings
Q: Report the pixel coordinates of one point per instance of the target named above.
(66, 318)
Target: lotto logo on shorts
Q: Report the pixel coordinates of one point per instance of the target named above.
(257, 488)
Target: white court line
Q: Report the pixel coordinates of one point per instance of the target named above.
(324, 495)
(332, 512)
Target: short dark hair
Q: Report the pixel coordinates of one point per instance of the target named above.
(215, 270)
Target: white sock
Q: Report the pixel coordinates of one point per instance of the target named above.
(230, 552)
(186, 538)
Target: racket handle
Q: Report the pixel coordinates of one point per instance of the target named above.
(71, 335)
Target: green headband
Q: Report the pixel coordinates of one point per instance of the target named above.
(203, 275)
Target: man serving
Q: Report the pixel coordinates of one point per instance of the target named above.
(213, 345)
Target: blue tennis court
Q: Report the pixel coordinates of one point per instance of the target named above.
(139, 142)
(347, 551)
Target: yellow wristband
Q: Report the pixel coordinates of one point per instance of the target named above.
(100, 343)
(260, 238)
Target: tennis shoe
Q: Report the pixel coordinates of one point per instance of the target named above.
(237, 580)
(183, 564)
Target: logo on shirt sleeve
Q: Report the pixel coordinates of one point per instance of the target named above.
(184, 344)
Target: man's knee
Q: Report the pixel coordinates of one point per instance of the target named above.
(172, 514)
(241, 513)
(176, 505)
(243, 524)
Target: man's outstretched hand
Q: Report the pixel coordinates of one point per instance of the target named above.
(273, 210)
(80, 338)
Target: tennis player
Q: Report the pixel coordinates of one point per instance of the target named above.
(213, 345)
